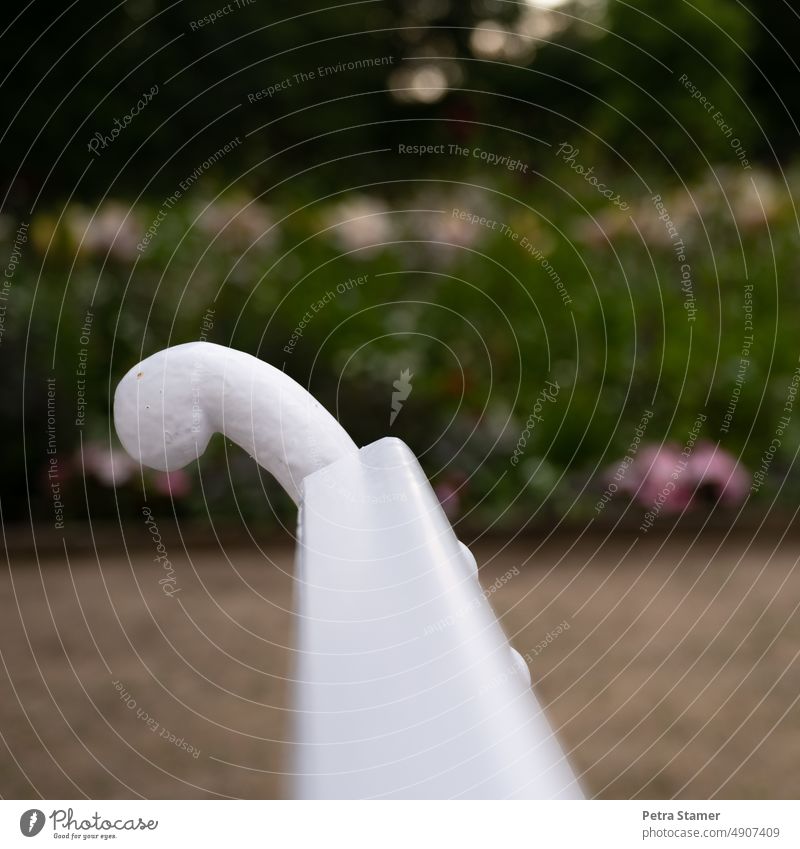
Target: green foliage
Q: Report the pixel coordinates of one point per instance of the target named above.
(475, 312)
(607, 74)
(691, 106)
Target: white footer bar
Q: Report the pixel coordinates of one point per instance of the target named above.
(400, 825)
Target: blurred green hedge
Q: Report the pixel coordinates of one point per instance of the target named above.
(556, 284)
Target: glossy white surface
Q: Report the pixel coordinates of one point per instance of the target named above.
(406, 686)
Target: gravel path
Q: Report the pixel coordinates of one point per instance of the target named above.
(678, 673)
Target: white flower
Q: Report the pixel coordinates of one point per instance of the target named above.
(111, 228)
(110, 466)
(241, 221)
(360, 222)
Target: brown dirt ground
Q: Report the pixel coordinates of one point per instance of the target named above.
(678, 675)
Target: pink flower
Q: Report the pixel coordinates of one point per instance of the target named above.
(174, 484)
(110, 466)
(715, 474)
(648, 475)
(448, 494)
(670, 479)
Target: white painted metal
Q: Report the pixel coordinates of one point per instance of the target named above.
(167, 408)
(405, 684)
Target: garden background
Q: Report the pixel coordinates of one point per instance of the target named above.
(565, 232)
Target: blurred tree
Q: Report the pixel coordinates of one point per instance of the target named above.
(659, 63)
(548, 72)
